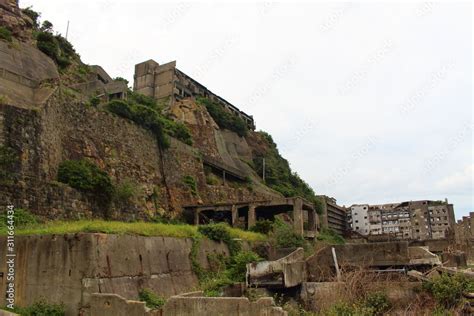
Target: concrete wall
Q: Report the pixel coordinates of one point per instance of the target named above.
(70, 268)
(319, 295)
(221, 306)
(116, 305)
(320, 266)
(22, 69)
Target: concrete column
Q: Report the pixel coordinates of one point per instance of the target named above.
(312, 220)
(196, 217)
(298, 216)
(471, 224)
(235, 215)
(251, 218)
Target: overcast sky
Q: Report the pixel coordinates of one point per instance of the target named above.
(370, 103)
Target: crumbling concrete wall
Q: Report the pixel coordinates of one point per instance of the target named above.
(197, 305)
(116, 305)
(320, 266)
(70, 268)
(320, 295)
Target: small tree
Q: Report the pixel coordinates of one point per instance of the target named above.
(47, 26)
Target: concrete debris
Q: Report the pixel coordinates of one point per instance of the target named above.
(285, 272)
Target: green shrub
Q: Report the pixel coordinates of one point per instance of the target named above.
(146, 112)
(47, 26)
(125, 192)
(143, 116)
(216, 232)
(85, 176)
(190, 182)
(151, 119)
(278, 174)
(33, 15)
(230, 269)
(331, 237)
(341, 309)
(56, 47)
(41, 308)
(220, 232)
(377, 302)
(121, 108)
(8, 158)
(138, 98)
(238, 265)
(224, 118)
(211, 179)
(262, 226)
(94, 101)
(21, 218)
(284, 236)
(5, 34)
(177, 130)
(447, 290)
(48, 44)
(151, 300)
(122, 80)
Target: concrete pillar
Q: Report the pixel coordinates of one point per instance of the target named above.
(196, 217)
(298, 216)
(251, 218)
(312, 220)
(471, 224)
(235, 215)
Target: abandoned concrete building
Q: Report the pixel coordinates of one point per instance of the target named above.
(464, 235)
(100, 84)
(166, 82)
(464, 230)
(246, 214)
(333, 216)
(414, 220)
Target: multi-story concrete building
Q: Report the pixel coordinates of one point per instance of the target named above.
(166, 82)
(419, 220)
(464, 235)
(333, 216)
(359, 218)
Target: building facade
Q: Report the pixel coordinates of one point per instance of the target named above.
(413, 220)
(359, 219)
(333, 216)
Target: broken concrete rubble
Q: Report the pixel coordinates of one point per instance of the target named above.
(286, 272)
(320, 266)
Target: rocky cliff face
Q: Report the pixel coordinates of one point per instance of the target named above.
(63, 129)
(12, 17)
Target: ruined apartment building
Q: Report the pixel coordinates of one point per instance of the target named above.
(166, 82)
(333, 216)
(414, 220)
(464, 230)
